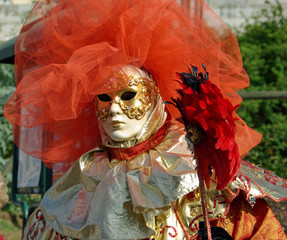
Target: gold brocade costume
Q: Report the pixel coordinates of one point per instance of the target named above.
(154, 195)
(97, 199)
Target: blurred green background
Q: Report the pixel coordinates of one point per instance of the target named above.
(263, 44)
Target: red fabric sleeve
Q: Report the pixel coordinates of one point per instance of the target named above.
(255, 223)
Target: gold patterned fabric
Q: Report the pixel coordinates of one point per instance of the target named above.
(180, 219)
(103, 199)
(256, 223)
(154, 195)
(259, 182)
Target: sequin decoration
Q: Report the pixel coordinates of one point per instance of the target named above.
(222, 219)
(221, 199)
(193, 226)
(251, 199)
(284, 185)
(270, 179)
(38, 225)
(255, 173)
(60, 237)
(246, 183)
(170, 234)
(192, 195)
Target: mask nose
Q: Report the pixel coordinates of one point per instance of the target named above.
(115, 109)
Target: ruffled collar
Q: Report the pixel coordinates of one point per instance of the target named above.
(100, 199)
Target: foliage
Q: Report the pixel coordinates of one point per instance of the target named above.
(7, 87)
(15, 209)
(263, 45)
(7, 226)
(12, 208)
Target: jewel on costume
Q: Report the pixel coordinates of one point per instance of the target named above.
(251, 199)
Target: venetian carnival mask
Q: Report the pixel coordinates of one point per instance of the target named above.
(123, 113)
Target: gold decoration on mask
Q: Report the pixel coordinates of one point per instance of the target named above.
(135, 107)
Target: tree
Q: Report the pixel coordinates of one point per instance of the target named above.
(263, 44)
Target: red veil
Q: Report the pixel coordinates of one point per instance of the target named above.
(67, 49)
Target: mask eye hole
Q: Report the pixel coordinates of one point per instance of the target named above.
(128, 95)
(104, 98)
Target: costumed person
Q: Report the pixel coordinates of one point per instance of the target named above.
(140, 96)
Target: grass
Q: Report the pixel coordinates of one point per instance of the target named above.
(7, 226)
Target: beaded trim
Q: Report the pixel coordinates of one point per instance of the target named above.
(38, 226)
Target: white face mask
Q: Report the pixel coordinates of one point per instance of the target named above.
(120, 127)
(123, 113)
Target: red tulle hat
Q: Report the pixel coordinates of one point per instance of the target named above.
(67, 50)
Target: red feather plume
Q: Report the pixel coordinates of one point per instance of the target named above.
(202, 105)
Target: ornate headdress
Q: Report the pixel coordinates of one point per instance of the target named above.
(67, 50)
